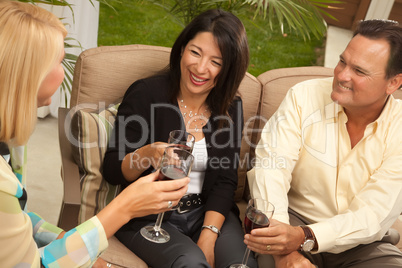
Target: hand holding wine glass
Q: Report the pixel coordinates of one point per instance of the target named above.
(175, 164)
(258, 214)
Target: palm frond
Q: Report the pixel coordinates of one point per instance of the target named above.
(302, 16)
(69, 65)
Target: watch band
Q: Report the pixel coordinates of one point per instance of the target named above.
(212, 228)
(307, 232)
(309, 239)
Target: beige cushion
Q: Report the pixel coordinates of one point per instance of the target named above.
(92, 132)
(115, 252)
(250, 92)
(275, 84)
(103, 74)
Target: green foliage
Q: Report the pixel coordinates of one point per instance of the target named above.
(134, 22)
(304, 17)
(125, 22)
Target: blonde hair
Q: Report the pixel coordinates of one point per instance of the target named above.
(31, 43)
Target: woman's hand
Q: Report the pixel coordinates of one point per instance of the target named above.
(207, 244)
(135, 163)
(141, 198)
(156, 151)
(147, 196)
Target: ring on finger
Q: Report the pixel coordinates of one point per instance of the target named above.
(170, 204)
(108, 265)
(268, 247)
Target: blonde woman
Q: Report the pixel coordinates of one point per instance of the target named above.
(31, 52)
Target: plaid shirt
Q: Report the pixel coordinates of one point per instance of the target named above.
(25, 238)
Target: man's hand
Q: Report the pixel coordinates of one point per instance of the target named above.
(277, 239)
(292, 260)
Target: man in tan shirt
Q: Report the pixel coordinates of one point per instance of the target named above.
(330, 160)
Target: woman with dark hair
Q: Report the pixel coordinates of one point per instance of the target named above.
(196, 93)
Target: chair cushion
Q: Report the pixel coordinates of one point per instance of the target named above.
(250, 92)
(92, 131)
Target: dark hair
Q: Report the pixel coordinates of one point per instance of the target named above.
(392, 33)
(231, 38)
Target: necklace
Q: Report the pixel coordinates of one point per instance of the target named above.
(198, 120)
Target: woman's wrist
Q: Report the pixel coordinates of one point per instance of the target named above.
(134, 164)
(114, 216)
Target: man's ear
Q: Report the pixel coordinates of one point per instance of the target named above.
(394, 84)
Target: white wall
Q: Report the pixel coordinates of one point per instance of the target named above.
(84, 28)
(338, 38)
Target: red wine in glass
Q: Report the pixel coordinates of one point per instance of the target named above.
(255, 219)
(171, 172)
(182, 139)
(175, 164)
(258, 213)
(184, 147)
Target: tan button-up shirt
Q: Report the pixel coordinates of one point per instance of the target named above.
(304, 161)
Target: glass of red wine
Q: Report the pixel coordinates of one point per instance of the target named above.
(175, 164)
(182, 139)
(258, 214)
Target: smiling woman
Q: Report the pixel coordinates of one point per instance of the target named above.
(208, 61)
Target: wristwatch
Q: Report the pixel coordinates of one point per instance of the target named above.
(212, 228)
(309, 239)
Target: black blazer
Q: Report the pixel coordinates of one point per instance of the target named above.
(146, 116)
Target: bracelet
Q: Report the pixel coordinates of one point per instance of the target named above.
(212, 228)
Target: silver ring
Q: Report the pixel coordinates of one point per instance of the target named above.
(170, 204)
(108, 265)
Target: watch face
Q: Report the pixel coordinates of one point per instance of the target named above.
(308, 245)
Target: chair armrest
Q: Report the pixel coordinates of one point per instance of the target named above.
(71, 202)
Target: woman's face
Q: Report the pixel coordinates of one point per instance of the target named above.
(200, 63)
(51, 83)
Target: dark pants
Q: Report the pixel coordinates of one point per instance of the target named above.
(380, 254)
(182, 249)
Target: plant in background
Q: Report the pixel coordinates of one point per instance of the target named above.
(69, 59)
(302, 16)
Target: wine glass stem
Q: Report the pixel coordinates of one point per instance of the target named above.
(245, 257)
(158, 222)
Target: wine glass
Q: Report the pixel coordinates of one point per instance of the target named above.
(258, 214)
(175, 164)
(182, 139)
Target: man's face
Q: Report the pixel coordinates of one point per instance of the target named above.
(360, 83)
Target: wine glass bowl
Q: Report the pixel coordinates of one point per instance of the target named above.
(182, 139)
(176, 164)
(258, 215)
